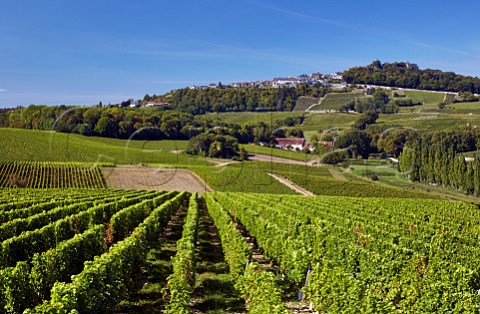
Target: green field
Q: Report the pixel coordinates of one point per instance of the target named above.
(96, 251)
(420, 255)
(334, 101)
(303, 103)
(325, 121)
(242, 177)
(27, 145)
(299, 156)
(429, 121)
(51, 175)
(427, 98)
(375, 242)
(269, 118)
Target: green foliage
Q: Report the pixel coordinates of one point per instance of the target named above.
(260, 291)
(197, 101)
(105, 281)
(125, 220)
(326, 185)
(237, 251)
(426, 98)
(215, 146)
(282, 153)
(106, 127)
(369, 255)
(25, 245)
(464, 97)
(338, 101)
(29, 145)
(380, 103)
(400, 74)
(406, 103)
(356, 142)
(50, 175)
(334, 157)
(181, 281)
(366, 119)
(438, 160)
(256, 286)
(241, 177)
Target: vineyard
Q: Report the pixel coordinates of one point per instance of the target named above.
(51, 175)
(368, 255)
(85, 250)
(335, 101)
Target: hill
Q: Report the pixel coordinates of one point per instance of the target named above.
(30, 145)
(404, 74)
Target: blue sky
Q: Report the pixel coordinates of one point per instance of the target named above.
(79, 52)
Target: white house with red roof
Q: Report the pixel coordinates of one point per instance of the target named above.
(292, 143)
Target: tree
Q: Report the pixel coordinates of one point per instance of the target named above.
(334, 157)
(125, 129)
(366, 119)
(91, 116)
(293, 133)
(215, 146)
(356, 142)
(106, 127)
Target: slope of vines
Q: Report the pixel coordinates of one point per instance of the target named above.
(369, 255)
(54, 239)
(28, 174)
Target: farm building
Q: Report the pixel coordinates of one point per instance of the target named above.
(328, 144)
(294, 143)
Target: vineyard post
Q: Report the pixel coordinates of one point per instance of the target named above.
(301, 295)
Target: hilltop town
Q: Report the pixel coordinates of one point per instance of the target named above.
(313, 79)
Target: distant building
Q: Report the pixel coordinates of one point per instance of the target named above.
(294, 143)
(155, 104)
(335, 76)
(412, 66)
(133, 103)
(304, 78)
(329, 144)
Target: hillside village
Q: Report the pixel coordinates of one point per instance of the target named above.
(333, 81)
(313, 79)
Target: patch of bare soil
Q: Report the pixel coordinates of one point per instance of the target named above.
(268, 158)
(153, 178)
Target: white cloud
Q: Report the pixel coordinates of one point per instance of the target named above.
(2, 90)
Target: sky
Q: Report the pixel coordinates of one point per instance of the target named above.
(80, 52)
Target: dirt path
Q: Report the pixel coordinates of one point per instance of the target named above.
(213, 291)
(268, 158)
(291, 185)
(148, 296)
(153, 178)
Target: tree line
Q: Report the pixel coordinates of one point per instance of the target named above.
(230, 99)
(380, 103)
(438, 158)
(149, 124)
(401, 74)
